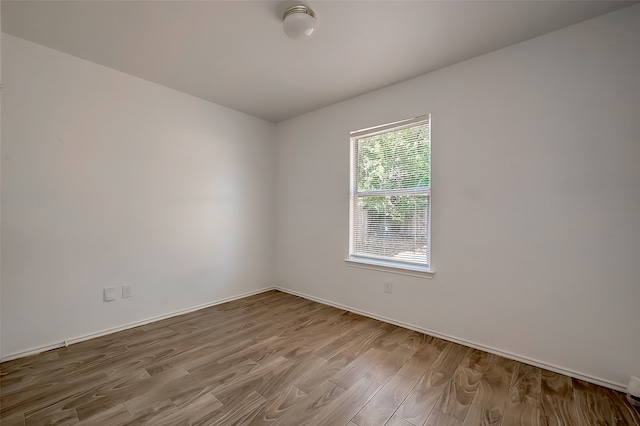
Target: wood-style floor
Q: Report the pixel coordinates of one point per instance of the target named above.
(277, 359)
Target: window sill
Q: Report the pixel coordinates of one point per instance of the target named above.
(390, 267)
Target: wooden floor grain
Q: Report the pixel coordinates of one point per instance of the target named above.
(277, 359)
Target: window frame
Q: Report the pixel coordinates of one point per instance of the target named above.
(382, 263)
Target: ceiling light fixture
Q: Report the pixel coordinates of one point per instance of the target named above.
(299, 22)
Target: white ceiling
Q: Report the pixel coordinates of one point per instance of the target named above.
(234, 53)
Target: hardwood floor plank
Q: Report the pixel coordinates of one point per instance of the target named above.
(187, 389)
(278, 359)
(16, 419)
(362, 331)
(114, 392)
(201, 411)
(345, 406)
(460, 391)
(426, 394)
(523, 401)
(557, 411)
(152, 413)
(319, 317)
(277, 406)
(155, 391)
(438, 418)
(556, 399)
(303, 347)
(313, 335)
(283, 380)
(591, 404)
(116, 415)
(255, 378)
(255, 352)
(58, 414)
(381, 407)
(239, 412)
(312, 405)
(398, 421)
(10, 384)
(16, 367)
(371, 338)
(396, 359)
(353, 372)
(198, 358)
(68, 360)
(556, 385)
(31, 398)
(623, 412)
(329, 369)
(391, 339)
(487, 407)
(126, 362)
(328, 320)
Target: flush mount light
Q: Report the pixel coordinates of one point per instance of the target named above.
(299, 22)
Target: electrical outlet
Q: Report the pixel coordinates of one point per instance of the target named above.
(108, 294)
(388, 287)
(127, 290)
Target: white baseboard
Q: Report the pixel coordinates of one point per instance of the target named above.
(561, 370)
(525, 360)
(77, 339)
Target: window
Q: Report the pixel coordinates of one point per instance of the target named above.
(390, 203)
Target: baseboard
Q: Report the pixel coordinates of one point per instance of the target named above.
(525, 360)
(77, 339)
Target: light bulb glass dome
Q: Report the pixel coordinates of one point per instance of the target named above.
(299, 22)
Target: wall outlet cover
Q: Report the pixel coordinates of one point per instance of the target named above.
(109, 294)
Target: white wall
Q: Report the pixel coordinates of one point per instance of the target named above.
(108, 179)
(536, 200)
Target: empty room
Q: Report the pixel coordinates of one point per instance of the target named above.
(341, 213)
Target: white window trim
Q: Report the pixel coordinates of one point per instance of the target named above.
(390, 267)
(370, 262)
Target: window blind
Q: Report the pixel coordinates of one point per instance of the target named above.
(391, 193)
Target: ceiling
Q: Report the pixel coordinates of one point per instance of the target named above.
(234, 53)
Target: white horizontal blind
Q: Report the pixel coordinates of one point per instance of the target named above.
(391, 193)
